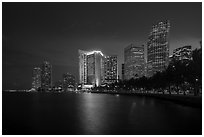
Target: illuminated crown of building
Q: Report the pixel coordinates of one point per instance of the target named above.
(94, 51)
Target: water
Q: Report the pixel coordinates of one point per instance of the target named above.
(89, 113)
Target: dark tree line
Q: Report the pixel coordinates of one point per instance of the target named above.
(184, 75)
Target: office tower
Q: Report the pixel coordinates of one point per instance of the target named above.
(36, 78)
(123, 72)
(110, 69)
(69, 82)
(46, 76)
(145, 68)
(183, 53)
(134, 61)
(90, 68)
(158, 48)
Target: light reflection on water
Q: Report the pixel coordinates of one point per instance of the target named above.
(113, 114)
(90, 113)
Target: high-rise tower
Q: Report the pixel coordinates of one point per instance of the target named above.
(134, 61)
(110, 69)
(46, 76)
(36, 78)
(158, 48)
(90, 68)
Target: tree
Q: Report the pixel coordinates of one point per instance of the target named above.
(194, 76)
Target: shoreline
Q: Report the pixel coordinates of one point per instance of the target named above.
(193, 101)
(187, 100)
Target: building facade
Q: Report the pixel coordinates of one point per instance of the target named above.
(91, 70)
(183, 53)
(69, 83)
(36, 78)
(145, 68)
(110, 69)
(134, 62)
(158, 48)
(46, 76)
(123, 71)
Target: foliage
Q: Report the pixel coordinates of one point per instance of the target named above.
(179, 75)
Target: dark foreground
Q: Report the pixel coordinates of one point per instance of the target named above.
(89, 113)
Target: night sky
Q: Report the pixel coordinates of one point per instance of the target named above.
(34, 32)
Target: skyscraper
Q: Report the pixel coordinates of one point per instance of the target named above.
(69, 82)
(36, 78)
(46, 76)
(158, 48)
(110, 69)
(134, 61)
(183, 53)
(123, 72)
(90, 68)
(145, 68)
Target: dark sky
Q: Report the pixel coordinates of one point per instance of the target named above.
(33, 32)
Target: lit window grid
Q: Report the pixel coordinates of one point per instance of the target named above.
(110, 69)
(90, 72)
(134, 56)
(158, 47)
(46, 76)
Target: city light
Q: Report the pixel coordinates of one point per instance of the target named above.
(94, 51)
(76, 68)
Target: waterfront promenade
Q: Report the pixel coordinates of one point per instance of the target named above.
(190, 100)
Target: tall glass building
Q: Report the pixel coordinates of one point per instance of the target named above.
(91, 68)
(110, 69)
(46, 76)
(123, 71)
(36, 78)
(134, 61)
(158, 48)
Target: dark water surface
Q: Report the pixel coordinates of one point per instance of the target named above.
(89, 113)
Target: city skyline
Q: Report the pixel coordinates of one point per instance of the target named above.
(101, 68)
(33, 39)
